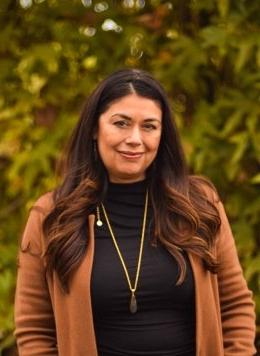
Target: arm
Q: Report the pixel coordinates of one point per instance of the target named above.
(34, 319)
(237, 306)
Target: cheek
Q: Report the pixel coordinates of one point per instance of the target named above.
(105, 139)
(154, 143)
(106, 147)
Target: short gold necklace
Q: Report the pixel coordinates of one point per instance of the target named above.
(133, 301)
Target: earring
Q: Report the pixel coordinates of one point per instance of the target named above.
(99, 221)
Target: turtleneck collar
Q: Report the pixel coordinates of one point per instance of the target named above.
(136, 187)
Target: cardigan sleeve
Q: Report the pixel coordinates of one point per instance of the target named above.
(34, 318)
(236, 303)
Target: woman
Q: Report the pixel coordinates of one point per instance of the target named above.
(130, 255)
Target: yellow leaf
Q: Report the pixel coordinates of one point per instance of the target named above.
(90, 62)
(223, 7)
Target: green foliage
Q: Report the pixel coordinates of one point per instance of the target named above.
(207, 55)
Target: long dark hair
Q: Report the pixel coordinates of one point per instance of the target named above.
(185, 219)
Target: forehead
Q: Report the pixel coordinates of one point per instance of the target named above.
(135, 105)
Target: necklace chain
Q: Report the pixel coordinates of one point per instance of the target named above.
(133, 303)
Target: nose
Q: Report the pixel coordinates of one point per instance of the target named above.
(134, 138)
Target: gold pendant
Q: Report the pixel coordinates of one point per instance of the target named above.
(133, 304)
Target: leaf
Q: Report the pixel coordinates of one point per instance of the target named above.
(90, 62)
(243, 56)
(243, 233)
(232, 123)
(223, 7)
(255, 179)
(241, 141)
(253, 267)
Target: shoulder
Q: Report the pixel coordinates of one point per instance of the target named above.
(37, 213)
(32, 240)
(44, 204)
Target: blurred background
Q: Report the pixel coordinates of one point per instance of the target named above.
(206, 53)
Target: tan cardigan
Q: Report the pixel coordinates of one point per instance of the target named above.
(49, 322)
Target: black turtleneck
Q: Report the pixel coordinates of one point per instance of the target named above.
(164, 324)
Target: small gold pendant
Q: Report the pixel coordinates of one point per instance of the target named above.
(133, 304)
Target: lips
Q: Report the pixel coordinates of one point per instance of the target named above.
(130, 154)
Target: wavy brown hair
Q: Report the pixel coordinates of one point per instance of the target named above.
(185, 219)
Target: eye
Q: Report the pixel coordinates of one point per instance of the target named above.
(121, 123)
(150, 127)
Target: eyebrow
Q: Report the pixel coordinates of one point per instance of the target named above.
(124, 116)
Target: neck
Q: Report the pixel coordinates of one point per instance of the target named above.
(126, 180)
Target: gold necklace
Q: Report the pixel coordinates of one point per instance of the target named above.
(133, 301)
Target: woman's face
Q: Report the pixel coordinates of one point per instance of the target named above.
(128, 137)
